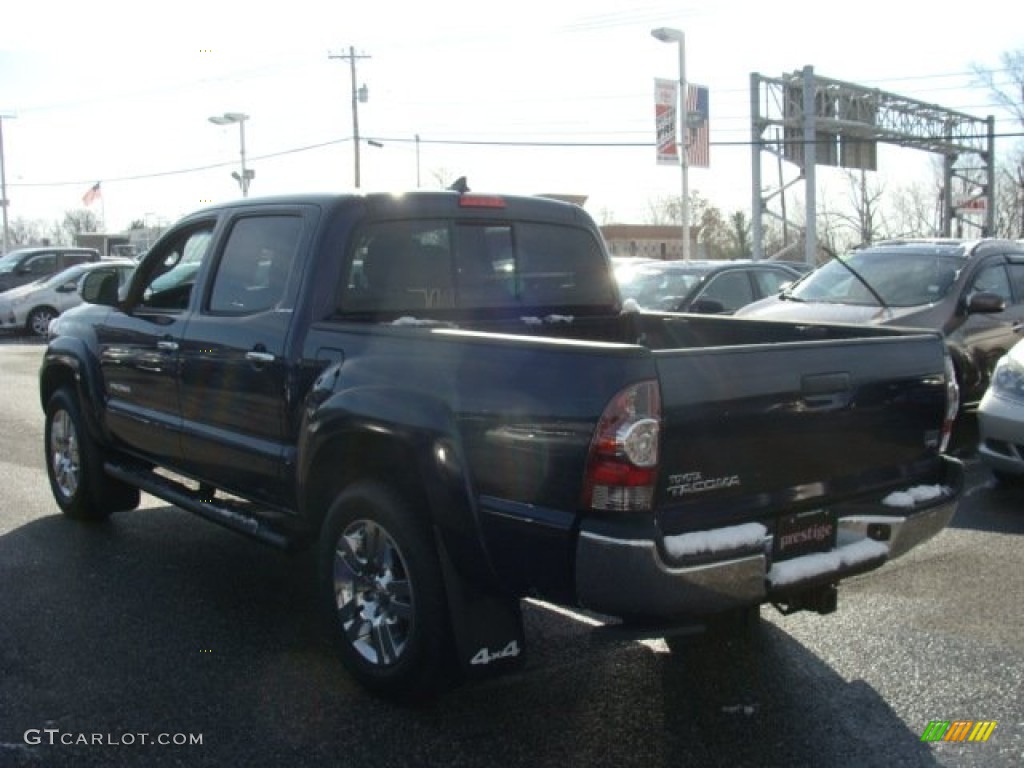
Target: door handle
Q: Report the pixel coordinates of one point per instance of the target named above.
(259, 357)
(167, 346)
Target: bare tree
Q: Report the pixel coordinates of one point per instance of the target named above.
(1009, 211)
(80, 221)
(27, 232)
(866, 220)
(662, 211)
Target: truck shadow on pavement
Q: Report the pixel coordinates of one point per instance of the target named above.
(157, 622)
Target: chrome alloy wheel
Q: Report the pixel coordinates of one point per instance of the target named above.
(373, 595)
(67, 468)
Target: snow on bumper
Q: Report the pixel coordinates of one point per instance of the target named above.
(709, 571)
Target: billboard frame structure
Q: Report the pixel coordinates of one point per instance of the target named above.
(810, 121)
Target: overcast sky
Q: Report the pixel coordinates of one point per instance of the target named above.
(103, 91)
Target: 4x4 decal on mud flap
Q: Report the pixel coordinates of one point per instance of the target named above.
(484, 656)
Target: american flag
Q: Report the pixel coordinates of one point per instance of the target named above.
(92, 195)
(699, 151)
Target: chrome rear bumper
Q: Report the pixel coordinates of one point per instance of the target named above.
(637, 577)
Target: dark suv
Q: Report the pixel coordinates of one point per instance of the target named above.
(26, 265)
(972, 291)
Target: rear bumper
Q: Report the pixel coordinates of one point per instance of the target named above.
(636, 578)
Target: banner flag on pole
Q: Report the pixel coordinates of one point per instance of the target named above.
(665, 101)
(699, 151)
(92, 195)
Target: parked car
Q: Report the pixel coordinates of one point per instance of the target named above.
(31, 307)
(973, 291)
(1001, 419)
(706, 287)
(26, 265)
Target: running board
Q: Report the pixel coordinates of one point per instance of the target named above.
(236, 516)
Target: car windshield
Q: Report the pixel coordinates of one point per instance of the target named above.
(64, 276)
(648, 286)
(901, 278)
(10, 261)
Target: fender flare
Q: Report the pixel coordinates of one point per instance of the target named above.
(69, 357)
(364, 422)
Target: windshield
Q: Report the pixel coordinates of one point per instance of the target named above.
(65, 276)
(10, 261)
(901, 278)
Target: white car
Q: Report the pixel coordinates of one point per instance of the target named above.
(31, 307)
(1001, 419)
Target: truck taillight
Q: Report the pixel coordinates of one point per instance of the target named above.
(622, 465)
(952, 404)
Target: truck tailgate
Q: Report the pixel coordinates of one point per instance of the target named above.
(751, 431)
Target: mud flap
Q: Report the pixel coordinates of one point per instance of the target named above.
(488, 627)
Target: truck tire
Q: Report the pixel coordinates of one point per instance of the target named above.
(382, 593)
(74, 464)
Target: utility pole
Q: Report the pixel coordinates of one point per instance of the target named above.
(358, 94)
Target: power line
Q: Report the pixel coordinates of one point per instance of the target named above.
(450, 142)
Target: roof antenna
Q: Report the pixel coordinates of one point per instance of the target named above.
(460, 185)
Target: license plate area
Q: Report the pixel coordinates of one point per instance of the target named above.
(804, 533)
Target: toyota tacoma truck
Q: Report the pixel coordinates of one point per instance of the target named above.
(443, 398)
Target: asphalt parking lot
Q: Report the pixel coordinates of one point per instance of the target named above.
(159, 626)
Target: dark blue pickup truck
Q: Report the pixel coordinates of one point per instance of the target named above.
(443, 395)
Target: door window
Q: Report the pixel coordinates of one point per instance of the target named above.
(42, 265)
(253, 271)
(770, 281)
(732, 289)
(1017, 281)
(178, 262)
(992, 279)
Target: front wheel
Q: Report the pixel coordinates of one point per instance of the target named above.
(74, 464)
(39, 320)
(383, 592)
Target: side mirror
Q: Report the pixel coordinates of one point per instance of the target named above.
(100, 288)
(985, 303)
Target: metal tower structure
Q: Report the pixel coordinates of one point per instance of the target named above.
(810, 121)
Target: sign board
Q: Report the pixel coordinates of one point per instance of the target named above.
(971, 204)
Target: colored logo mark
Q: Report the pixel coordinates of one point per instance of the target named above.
(958, 730)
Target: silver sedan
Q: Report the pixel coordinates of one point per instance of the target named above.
(1001, 419)
(32, 306)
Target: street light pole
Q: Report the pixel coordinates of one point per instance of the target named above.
(3, 179)
(669, 35)
(3, 182)
(227, 119)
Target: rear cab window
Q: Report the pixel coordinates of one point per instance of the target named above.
(425, 267)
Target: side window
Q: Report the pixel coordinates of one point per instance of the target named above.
(178, 261)
(71, 259)
(992, 279)
(1017, 281)
(770, 281)
(43, 264)
(254, 268)
(732, 289)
